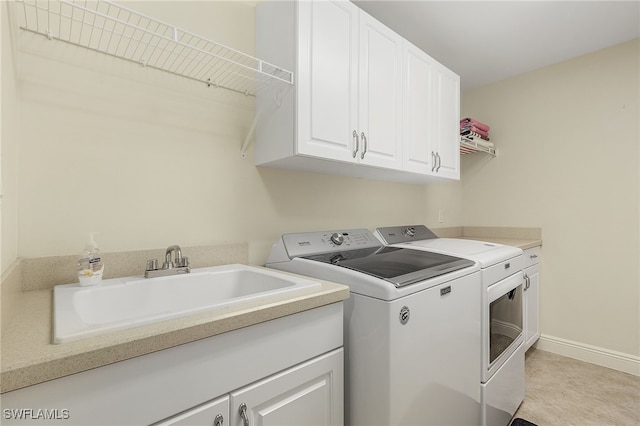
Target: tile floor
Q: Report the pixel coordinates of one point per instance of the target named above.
(564, 391)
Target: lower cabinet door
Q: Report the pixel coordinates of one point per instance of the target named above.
(531, 310)
(308, 394)
(214, 413)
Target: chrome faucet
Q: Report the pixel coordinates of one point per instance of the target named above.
(179, 264)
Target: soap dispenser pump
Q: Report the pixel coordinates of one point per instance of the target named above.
(90, 265)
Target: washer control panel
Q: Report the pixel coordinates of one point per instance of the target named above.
(310, 243)
(404, 234)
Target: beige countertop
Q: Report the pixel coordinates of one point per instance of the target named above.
(524, 238)
(29, 357)
(522, 243)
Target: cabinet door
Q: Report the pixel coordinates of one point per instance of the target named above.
(447, 124)
(215, 413)
(308, 394)
(327, 79)
(418, 110)
(531, 307)
(380, 95)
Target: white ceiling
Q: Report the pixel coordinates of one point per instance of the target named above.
(488, 41)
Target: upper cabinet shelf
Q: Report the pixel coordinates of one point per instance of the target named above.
(112, 29)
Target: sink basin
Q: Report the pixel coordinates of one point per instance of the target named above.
(121, 303)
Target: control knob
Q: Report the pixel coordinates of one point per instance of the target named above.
(337, 238)
(410, 231)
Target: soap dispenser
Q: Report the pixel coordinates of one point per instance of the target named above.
(90, 265)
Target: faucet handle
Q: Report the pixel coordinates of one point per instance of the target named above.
(183, 262)
(152, 264)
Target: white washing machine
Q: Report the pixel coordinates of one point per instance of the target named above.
(502, 360)
(412, 326)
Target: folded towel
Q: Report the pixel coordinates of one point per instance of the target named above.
(474, 129)
(472, 121)
(474, 135)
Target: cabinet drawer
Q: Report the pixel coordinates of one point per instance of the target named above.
(531, 256)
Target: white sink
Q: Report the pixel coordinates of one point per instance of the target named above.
(121, 303)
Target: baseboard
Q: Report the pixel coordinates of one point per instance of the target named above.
(604, 357)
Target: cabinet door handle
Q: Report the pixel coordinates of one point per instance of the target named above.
(439, 162)
(243, 414)
(357, 143)
(364, 145)
(526, 282)
(218, 421)
(433, 161)
(533, 256)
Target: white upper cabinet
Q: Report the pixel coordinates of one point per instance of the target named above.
(352, 105)
(327, 79)
(419, 111)
(446, 138)
(431, 108)
(380, 95)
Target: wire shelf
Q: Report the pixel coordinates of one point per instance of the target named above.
(468, 146)
(112, 29)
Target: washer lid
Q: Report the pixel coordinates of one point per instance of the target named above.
(399, 266)
(486, 254)
(420, 237)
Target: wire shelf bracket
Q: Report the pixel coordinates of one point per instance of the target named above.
(468, 146)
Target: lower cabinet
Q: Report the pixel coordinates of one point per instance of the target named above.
(531, 296)
(308, 394)
(214, 413)
(286, 371)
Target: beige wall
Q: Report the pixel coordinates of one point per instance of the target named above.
(568, 138)
(148, 159)
(9, 143)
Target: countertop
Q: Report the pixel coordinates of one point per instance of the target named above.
(524, 238)
(29, 357)
(522, 243)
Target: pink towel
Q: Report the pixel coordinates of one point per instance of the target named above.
(473, 122)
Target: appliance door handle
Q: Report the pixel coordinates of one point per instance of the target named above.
(357, 143)
(495, 291)
(364, 145)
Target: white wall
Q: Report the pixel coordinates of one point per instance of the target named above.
(148, 159)
(8, 144)
(568, 138)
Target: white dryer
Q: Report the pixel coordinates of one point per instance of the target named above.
(502, 359)
(412, 328)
